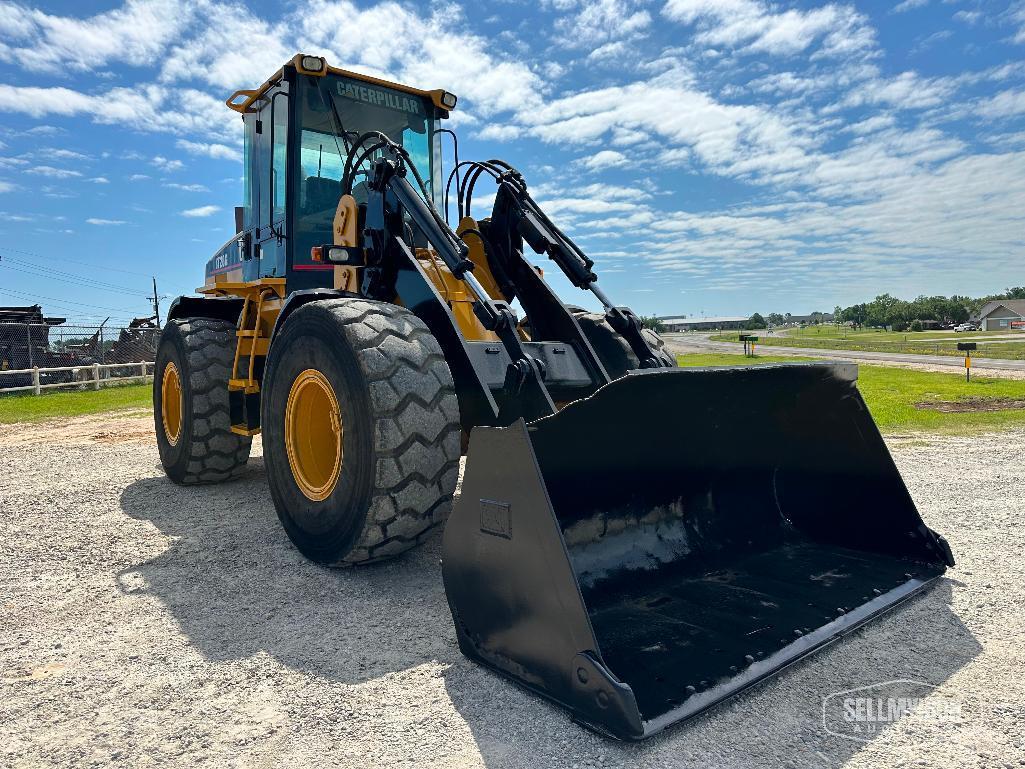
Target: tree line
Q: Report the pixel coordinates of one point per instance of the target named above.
(887, 311)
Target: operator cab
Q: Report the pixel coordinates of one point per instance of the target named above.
(299, 129)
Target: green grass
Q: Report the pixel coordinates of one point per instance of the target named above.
(891, 394)
(32, 408)
(870, 340)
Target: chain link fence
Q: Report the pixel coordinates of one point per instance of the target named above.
(38, 356)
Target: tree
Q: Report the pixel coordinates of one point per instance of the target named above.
(856, 315)
(653, 323)
(775, 319)
(755, 321)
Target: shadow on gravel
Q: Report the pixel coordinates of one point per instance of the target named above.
(777, 723)
(236, 586)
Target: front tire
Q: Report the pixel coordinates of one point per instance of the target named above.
(361, 430)
(190, 402)
(613, 350)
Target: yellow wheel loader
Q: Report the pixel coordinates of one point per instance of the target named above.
(633, 541)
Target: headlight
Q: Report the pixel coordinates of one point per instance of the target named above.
(312, 64)
(449, 100)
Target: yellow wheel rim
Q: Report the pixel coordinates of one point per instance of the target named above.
(171, 403)
(313, 435)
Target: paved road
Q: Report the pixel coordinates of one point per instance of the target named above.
(694, 342)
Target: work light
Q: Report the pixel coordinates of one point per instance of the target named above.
(312, 64)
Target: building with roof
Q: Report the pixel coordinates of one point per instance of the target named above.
(1002, 314)
(703, 324)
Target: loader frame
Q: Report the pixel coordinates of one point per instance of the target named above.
(748, 533)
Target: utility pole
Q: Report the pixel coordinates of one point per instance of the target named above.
(156, 302)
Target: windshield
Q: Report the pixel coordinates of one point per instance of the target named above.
(405, 118)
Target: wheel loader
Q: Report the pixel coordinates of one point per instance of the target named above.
(632, 541)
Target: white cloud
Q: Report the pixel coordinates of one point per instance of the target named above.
(738, 140)
(187, 187)
(1017, 12)
(259, 48)
(134, 34)
(968, 17)
(6, 186)
(61, 154)
(757, 27)
(201, 211)
(603, 159)
(908, 5)
(908, 90)
(165, 164)
(45, 130)
(100, 180)
(610, 53)
(592, 22)
(144, 107)
(392, 41)
(54, 173)
(138, 177)
(1007, 103)
(218, 151)
(106, 222)
(9, 217)
(499, 132)
(872, 124)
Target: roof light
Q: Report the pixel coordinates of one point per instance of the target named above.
(312, 64)
(449, 100)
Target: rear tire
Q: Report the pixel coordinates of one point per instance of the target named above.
(613, 350)
(193, 426)
(388, 474)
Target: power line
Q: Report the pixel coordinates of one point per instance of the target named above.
(78, 281)
(34, 297)
(45, 268)
(93, 265)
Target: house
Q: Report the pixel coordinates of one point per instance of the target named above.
(815, 317)
(1003, 314)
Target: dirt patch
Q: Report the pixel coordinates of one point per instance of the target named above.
(128, 426)
(972, 405)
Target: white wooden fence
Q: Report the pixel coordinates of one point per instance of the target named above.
(90, 375)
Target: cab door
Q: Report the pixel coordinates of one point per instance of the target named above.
(267, 142)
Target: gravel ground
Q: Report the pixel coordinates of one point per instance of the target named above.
(142, 624)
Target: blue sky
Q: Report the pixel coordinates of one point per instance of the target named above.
(713, 156)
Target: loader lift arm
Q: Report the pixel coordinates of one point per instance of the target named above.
(516, 218)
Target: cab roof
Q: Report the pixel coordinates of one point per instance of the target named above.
(242, 100)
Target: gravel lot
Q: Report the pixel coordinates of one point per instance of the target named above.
(143, 624)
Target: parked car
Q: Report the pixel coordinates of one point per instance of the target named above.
(964, 327)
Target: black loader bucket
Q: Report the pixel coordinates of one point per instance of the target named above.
(679, 536)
